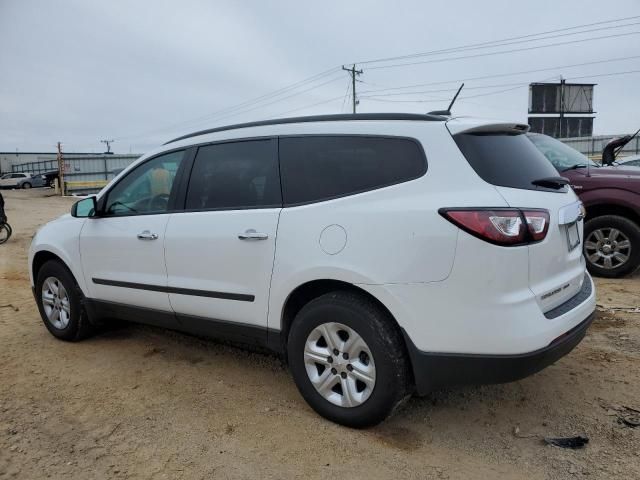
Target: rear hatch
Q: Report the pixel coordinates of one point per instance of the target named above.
(503, 156)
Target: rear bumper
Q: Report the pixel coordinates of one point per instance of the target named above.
(436, 370)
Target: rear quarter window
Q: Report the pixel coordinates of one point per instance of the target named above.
(317, 168)
(506, 160)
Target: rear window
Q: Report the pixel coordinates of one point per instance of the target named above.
(506, 160)
(317, 168)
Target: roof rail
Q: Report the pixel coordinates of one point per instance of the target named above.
(320, 118)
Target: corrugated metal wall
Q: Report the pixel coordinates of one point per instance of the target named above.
(90, 168)
(82, 169)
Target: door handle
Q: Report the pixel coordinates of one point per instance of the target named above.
(251, 234)
(147, 235)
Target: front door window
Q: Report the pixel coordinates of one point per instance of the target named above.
(147, 189)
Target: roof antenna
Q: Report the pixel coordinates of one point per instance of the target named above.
(447, 112)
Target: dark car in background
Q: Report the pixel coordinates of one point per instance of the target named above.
(611, 196)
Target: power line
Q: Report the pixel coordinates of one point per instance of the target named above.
(484, 77)
(488, 43)
(513, 87)
(276, 101)
(278, 93)
(461, 99)
(277, 115)
(261, 98)
(604, 75)
(486, 54)
(346, 95)
(243, 106)
(613, 74)
(442, 90)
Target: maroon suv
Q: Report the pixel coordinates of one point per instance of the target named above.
(611, 196)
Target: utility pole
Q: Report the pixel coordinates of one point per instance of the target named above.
(60, 169)
(108, 143)
(562, 80)
(353, 72)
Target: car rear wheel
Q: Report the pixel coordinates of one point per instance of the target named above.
(611, 246)
(26, 185)
(60, 303)
(348, 359)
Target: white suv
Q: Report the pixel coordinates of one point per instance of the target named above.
(382, 254)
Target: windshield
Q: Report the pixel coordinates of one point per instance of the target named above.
(560, 155)
(6, 175)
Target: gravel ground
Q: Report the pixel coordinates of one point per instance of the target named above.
(138, 402)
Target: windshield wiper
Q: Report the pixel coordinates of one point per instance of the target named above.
(576, 166)
(551, 182)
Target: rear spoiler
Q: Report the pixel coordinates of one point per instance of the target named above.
(512, 128)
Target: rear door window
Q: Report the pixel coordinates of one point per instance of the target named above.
(235, 175)
(506, 160)
(317, 168)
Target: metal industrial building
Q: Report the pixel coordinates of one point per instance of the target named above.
(80, 169)
(9, 159)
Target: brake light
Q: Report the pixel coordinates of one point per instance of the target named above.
(537, 223)
(501, 226)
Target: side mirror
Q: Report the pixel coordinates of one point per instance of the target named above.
(84, 208)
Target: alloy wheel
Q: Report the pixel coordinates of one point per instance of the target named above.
(607, 248)
(55, 302)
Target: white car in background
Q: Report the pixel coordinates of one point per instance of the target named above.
(381, 254)
(21, 180)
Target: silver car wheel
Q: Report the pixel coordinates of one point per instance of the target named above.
(607, 248)
(55, 302)
(339, 364)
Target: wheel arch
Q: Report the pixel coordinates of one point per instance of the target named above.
(43, 256)
(601, 209)
(312, 289)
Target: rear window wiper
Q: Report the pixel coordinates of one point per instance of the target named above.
(551, 182)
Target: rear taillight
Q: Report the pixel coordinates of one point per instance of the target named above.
(537, 223)
(501, 226)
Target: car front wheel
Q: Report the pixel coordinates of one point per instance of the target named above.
(611, 246)
(60, 304)
(26, 185)
(348, 359)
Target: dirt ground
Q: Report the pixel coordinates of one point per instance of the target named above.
(138, 402)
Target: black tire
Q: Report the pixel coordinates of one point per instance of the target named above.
(26, 185)
(79, 326)
(383, 338)
(629, 229)
(5, 233)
